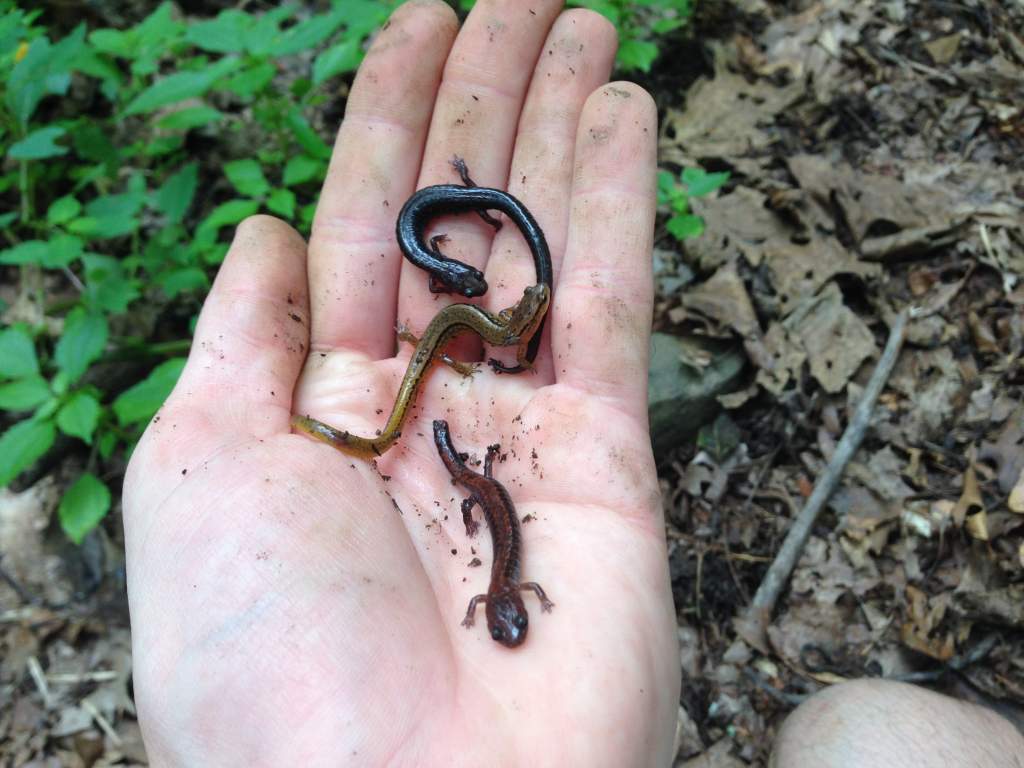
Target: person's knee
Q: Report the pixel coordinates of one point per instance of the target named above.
(883, 723)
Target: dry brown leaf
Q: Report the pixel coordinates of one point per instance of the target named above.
(924, 617)
(23, 520)
(1007, 451)
(736, 225)
(943, 49)
(723, 116)
(977, 525)
(798, 272)
(724, 298)
(970, 498)
(1016, 501)
(837, 342)
(931, 380)
(1003, 606)
(873, 202)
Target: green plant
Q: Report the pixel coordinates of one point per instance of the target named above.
(676, 196)
(639, 23)
(115, 220)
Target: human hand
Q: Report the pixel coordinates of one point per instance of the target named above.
(291, 606)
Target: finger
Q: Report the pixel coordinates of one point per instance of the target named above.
(577, 57)
(249, 346)
(354, 261)
(601, 321)
(476, 114)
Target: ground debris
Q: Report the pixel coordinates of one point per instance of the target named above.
(877, 166)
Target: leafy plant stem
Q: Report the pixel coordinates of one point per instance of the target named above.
(25, 187)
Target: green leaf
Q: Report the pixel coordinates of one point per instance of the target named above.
(363, 16)
(38, 145)
(261, 36)
(664, 26)
(300, 169)
(282, 202)
(305, 136)
(252, 80)
(636, 54)
(17, 354)
(606, 8)
(83, 340)
(107, 288)
(92, 143)
(22, 445)
(182, 279)
(699, 183)
(28, 252)
(179, 86)
(231, 212)
(719, 438)
(106, 443)
(145, 43)
(79, 415)
(140, 402)
(190, 117)
(307, 34)
(687, 225)
(175, 195)
(223, 34)
(45, 69)
(112, 41)
(63, 250)
(666, 187)
(24, 394)
(338, 59)
(83, 506)
(247, 177)
(163, 145)
(59, 252)
(63, 209)
(115, 215)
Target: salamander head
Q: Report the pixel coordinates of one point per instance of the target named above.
(471, 283)
(525, 316)
(507, 620)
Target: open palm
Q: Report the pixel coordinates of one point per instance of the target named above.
(295, 606)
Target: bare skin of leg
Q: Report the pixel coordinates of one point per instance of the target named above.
(873, 723)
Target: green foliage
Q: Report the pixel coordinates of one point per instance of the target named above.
(695, 183)
(85, 503)
(108, 208)
(640, 23)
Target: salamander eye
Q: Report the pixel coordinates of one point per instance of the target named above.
(497, 634)
(520, 621)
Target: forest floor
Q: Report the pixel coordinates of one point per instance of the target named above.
(876, 153)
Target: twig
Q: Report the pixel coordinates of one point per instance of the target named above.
(35, 670)
(753, 624)
(101, 721)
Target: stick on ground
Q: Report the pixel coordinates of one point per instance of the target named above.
(753, 625)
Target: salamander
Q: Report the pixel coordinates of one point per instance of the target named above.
(453, 276)
(507, 619)
(513, 326)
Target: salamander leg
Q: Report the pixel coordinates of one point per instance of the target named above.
(472, 526)
(466, 369)
(436, 285)
(470, 618)
(492, 451)
(533, 586)
(460, 165)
